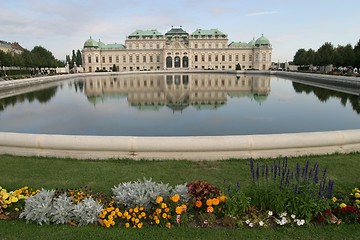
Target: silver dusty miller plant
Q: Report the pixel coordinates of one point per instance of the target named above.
(139, 193)
(44, 207)
(182, 191)
(87, 211)
(39, 208)
(63, 209)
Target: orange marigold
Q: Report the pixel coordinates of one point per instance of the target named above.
(198, 204)
(209, 202)
(175, 198)
(179, 210)
(215, 201)
(159, 199)
(210, 209)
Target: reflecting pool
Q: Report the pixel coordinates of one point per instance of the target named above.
(179, 105)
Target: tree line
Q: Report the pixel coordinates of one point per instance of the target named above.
(340, 56)
(75, 58)
(38, 57)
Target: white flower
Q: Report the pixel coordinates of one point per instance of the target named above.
(247, 221)
(300, 222)
(293, 216)
(251, 225)
(261, 223)
(283, 214)
(278, 222)
(270, 213)
(283, 221)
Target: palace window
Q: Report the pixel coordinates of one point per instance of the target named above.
(209, 58)
(89, 59)
(130, 59)
(103, 59)
(230, 58)
(96, 59)
(203, 58)
(144, 58)
(196, 58)
(243, 57)
(223, 58)
(195, 46)
(157, 58)
(124, 59)
(250, 57)
(216, 58)
(137, 58)
(264, 57)
(151, 58)
(236, 58)
(110, 59)
(117, 59)
(158, 46)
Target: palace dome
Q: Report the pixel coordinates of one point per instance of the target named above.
(262, 41)
(252, 42)
(91, 43)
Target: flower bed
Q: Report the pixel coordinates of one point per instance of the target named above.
(278, 196)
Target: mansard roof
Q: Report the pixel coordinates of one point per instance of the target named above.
(176, 32)
(208, 33)
(145, 33)
(239, 45)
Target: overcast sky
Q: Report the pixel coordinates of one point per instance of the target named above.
(61, 26)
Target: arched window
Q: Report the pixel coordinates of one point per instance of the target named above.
(168, 62)
(177, 62)
(185, 62)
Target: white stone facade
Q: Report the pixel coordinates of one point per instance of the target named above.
(203, 49)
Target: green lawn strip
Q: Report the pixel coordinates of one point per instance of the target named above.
(20, 230)
(102, 175)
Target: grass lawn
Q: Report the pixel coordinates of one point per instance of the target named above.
(101, 176)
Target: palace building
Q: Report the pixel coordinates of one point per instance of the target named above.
(148, 50)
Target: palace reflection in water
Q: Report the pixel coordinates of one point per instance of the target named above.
(177, 91)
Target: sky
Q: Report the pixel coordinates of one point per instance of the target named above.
(61, 26)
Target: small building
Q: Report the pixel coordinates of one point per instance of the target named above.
(13, 48)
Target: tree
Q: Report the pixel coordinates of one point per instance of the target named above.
(348, 55)
(78, 58)
(238, 67)
(357, 54)
(300, 57)
(325, 54)
(43, 57)
(114, 68)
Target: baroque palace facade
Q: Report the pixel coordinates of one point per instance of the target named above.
(146, 50)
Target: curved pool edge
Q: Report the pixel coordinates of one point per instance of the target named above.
(179, 148)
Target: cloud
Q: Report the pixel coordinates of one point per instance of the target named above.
(261, 13)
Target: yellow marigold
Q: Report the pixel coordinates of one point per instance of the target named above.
(168, 225)
(175, 198)
(119, 214)
(357, 195)
(164, 215)
(209, 202)
(126, 213)
(222, 198)
(357, 201)
(163, 205)
(112, 223)
(127, 225)
(157, 221)
(178, 210)
(158, 210)
(131, 210)
(169, 216)
(143, 214)
(137, 220)
(139, 225)
(334, 199)
(215, 201)
(117, 210)
(184, 207)
(167, 210)
(136, 209)
(210, 209)
(198, 204)
(159, 199)
(342, 205)
(141, 209)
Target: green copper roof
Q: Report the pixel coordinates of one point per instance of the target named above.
(91, 43)
(252, 42)
(176, 32)
(239, 45)
(145, 33)
(262, 41)
(211, 33)
(114, 46)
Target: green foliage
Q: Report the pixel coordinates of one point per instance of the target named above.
(237, 204)
(327, 54)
